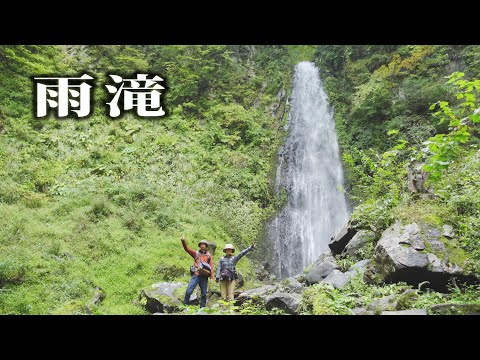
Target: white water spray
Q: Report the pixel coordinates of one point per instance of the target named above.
(310, 171)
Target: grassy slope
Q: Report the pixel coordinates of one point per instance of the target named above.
(101, 202)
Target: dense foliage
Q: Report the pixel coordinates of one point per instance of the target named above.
(396, 106)
(102, 202)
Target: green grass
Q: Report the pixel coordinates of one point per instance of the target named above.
(49, 260)
(102, 202)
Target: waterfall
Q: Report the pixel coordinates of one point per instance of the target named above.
(310, 171)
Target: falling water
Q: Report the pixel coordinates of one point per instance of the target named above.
(310, 171)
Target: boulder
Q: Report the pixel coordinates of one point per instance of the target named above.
(213, 299)
(455, 309)
(358, 241)
(98, 296)
(325, 256)
(292, 285)
(300, 278)
(320, 272)
(341, 238)
(337, 279)
(262, 272)
(265, 264)
(194, 298)
(240, 281)
(284, 301)
(413, 254)
(406, 312)
(393, 302)
(448, 231)
(321, 268)
(169, 272)
(359, 267)
(211, 293)
(389, 302)
(257, 293)
(362, 311)
(163, 297)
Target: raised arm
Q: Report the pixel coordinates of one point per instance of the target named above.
(192, 252)
(243, 253)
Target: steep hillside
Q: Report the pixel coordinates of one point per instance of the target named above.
(103, 202)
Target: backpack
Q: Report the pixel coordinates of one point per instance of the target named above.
(228, 274)
(204, 269)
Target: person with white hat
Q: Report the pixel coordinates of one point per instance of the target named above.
(226, 270)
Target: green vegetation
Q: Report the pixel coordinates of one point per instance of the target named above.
(399, 106)
(102, 202)
(322, 299)
(249, 307)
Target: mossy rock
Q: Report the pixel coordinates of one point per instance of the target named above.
(406, 299)
(455, 309)
(419, 252)
(179, 294)
(161, 297)
(73, 307)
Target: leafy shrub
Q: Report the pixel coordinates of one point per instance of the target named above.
(169, 272)
(374, 214)
(322, 299)
(463, 119)
(164, 219)
(133, 221)
(100, 209)
(372, 100)
(11, 272)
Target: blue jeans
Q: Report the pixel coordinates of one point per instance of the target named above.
(194, 281)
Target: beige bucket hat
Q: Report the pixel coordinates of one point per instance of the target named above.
(203, 242)
(228, 246)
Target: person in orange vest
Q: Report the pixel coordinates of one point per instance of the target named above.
(201, 270)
